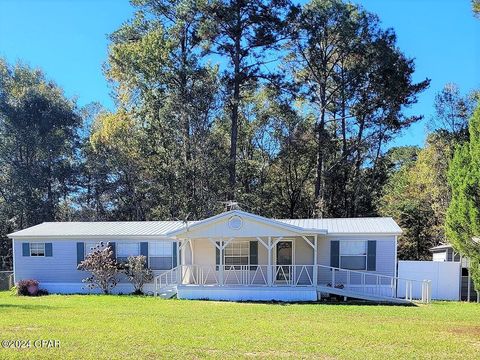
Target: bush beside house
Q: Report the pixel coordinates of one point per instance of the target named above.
(105, 270)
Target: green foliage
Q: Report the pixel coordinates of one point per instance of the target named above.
(244, 33)
(417, 195)
(356, 83)
(452, 112)
(463, 214)
(39, 152)
(476, 7)
(286, 109)
(38, 145)
(168, 98)
(134, 327)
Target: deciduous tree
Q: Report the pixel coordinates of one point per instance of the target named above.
(356, 83)
(102, 266)
(137, 272)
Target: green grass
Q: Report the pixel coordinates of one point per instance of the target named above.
(106, 327)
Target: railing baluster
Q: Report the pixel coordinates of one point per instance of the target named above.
(363, 282)
(291, 275)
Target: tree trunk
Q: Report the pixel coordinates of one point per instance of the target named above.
(235, 103)
(344, 159)
(320, 181)
(189, 182)
(358, 163)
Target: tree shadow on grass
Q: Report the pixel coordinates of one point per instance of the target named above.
(26, 306)
(319, 302)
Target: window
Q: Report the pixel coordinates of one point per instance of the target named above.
(439, 256)
(89, 246)
(160, 255)
(124, 250)
(353, 255)
(37, 249)
(237, 253)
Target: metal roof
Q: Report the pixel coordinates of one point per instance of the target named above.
(441, 247)
(377, 225)
(103, 228)
(367, 225)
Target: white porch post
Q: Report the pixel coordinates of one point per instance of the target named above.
(269, 268)
(191, 252)
(179, 263)
(315, 259)
(179, 244)
(220, 276)
(468, 281)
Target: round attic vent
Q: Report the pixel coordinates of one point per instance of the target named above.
(235, 222)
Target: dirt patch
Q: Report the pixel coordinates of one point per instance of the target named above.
(465, 330)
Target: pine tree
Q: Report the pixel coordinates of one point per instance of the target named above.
(463, 214)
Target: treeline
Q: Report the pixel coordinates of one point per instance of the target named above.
(418, 193)
(286, 109)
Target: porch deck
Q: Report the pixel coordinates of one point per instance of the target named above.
(286, 283)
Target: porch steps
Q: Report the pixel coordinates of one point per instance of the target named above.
(167, 292)
(360, 295)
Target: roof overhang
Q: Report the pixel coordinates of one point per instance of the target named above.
(441, 247)
(90, 237)
(200, 228)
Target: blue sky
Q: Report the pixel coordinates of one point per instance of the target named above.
(68, 40)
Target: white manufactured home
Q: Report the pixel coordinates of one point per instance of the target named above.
(231, 256)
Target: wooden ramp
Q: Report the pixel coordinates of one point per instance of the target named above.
(360, 295)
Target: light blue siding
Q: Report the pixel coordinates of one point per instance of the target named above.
(385, 253)
(60, 267)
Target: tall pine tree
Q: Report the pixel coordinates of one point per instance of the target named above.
(463, 214)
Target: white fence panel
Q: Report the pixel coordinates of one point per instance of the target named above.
(445, 277)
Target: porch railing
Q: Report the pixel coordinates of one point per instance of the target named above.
(321, 276)
(374, 284)
(248, 275)
(166, 279)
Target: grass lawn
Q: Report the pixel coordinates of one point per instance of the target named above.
(111, 327)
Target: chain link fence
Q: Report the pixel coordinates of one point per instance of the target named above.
(6, 280)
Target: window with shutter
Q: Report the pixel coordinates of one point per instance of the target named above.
(37, 249)
(160, 255)
(353, 255)
(126, 249)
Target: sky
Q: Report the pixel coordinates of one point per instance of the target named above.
(68, 40)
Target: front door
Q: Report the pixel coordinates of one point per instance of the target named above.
(284, 259)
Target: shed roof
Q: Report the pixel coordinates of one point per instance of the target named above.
(378, 225)
(441, 247)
